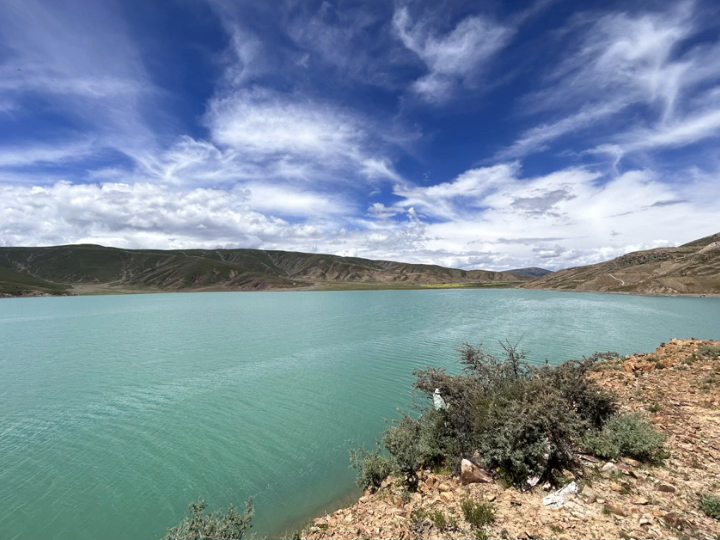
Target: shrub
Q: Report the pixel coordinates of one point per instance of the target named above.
(477, 514)
(627, 435)
(372, 467)
(213, 526)
(410, 446)
(712, 351)
(710, 504)
(526, 433)
(524, 420)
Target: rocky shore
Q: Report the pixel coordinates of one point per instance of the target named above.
(677, 388)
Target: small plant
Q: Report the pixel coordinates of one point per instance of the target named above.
(709, 382)
(654, 407)
(417, 519)
(710, 504)
(372, 467)
(713, 351)
(477, 514)
(213, 526)
(626, 435)
(441, 521)
(556, 529)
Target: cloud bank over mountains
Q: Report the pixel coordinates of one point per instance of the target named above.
(554, 135)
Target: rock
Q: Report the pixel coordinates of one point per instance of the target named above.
(608, 467)
(472, 474)
(675, 520)
(666, 488)
(491, 497)
(567, 474)
(646, 519)
(615, 509)
(640, 501)
(631, 462)
(444, 487)
(446, 496)
(547, 486)
(615, 487)
(589, 495)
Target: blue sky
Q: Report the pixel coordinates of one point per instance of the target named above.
(463, 133)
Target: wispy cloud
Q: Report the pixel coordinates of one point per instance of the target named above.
(626, 60)
(453, 58)
(76, 58)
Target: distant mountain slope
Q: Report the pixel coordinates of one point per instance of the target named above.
(91, 268)
(693, 268)
(533, 272)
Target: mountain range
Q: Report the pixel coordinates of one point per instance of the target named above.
(692, 268)
(88, 269)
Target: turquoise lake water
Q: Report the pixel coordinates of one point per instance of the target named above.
(117, 411)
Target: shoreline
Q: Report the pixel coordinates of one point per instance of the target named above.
(107, 291)
(620, 499)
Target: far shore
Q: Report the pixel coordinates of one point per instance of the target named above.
(95, 289)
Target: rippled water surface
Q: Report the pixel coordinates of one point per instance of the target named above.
(116, 411)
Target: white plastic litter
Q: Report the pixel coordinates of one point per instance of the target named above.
(557, 499)
(438, 401)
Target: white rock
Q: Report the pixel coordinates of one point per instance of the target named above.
(472, 474)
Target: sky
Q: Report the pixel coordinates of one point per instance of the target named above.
(471, 134)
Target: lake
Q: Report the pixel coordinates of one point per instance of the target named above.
(117, 411)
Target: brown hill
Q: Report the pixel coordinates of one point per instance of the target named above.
(85, 269)
(693, 268)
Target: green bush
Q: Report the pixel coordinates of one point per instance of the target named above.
(213, 526)
(524, 420)
(526, 433)
(712, 351)
(412, 444)
(477, 514)
(627, 435)
(372, 467)
(710, 504)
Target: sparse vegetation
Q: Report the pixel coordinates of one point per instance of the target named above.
(371, 465)
(443, 522)
(627, 435)
(216, 525)
(524, 421)
(713, 351)
(710, 504)
(478, 514)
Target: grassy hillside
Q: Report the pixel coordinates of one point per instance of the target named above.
(86, 268)
(693, 268)
(14, 283)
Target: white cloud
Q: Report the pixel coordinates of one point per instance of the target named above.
(22, 156)
(628, 60)
(454, 58)
(77, 59)
(493, 216)
(267, 123)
